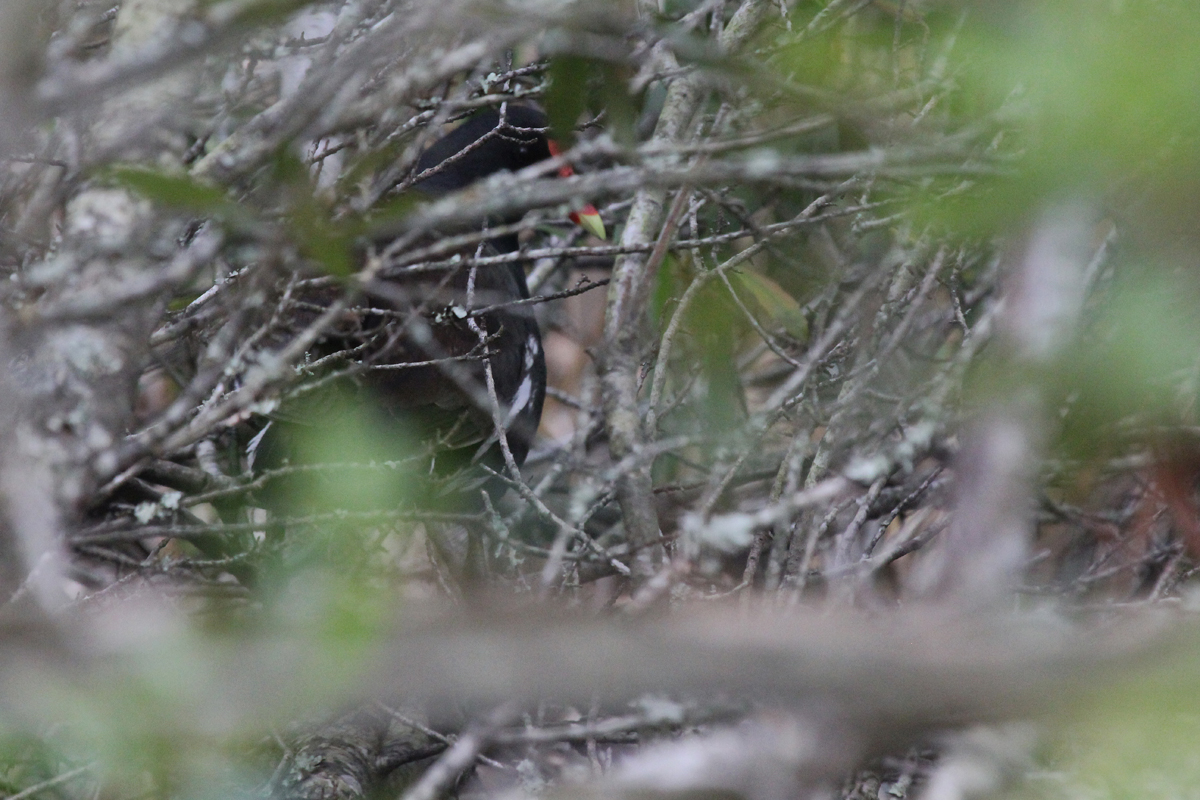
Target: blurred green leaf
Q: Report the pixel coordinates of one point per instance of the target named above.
(703, 359)
(567, 96)
(326, 241)
(385, 214)
(1130, 738)
(288, 169)
(622, 110)
(366, 450)
(1089, 96)
(330, 244)
(175, 191)
(810, 59)
(259, 13)
(776, 308)
(1139, 359)
(669, 284)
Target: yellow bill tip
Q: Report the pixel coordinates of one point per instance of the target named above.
(588, 218)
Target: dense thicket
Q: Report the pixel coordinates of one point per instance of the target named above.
(893, 336)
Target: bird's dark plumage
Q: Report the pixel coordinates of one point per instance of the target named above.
(426, 316)
(481, 146)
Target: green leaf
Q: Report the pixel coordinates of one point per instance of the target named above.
(174, 191)
(386, 214)
(670, 282)
(329, 244)
(260, 13)
(615, 99)
(326, 241)
(288, 169)
(566, 97)
(333, 252)
(370, 446)
(773, 306)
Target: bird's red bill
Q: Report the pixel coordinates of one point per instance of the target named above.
(587, 217)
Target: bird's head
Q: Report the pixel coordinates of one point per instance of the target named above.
(481, 146)
(586, 217)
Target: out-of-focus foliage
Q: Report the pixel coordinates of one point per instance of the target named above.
(1100, 101)
(827, 311)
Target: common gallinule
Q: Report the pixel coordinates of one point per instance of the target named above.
(461, 317)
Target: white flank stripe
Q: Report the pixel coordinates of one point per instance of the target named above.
(521, 398)
(532, 348)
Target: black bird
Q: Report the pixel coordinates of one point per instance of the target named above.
(405, 319)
